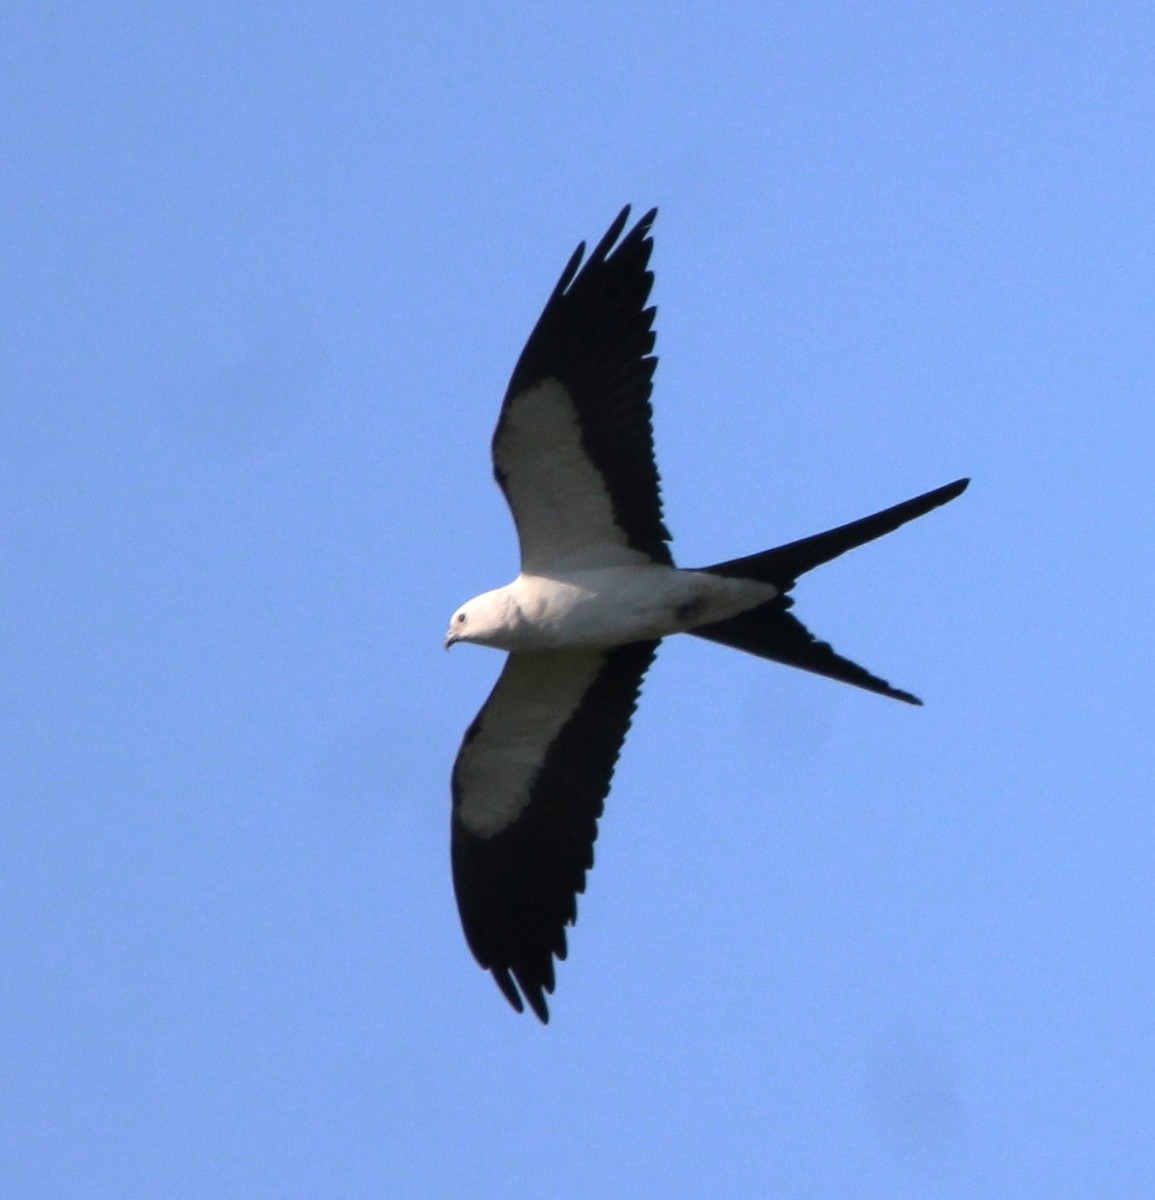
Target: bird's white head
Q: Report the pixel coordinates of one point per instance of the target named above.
(486, 620)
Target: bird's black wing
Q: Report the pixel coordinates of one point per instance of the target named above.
(528, 788)
(573, 449)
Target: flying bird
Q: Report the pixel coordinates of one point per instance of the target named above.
(597, 591)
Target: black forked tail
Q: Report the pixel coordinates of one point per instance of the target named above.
(784, 565)
(770, 631)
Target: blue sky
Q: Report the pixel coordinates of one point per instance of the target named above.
(265, 270)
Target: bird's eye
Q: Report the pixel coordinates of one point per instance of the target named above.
(460, 618)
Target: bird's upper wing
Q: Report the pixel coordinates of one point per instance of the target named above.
(528, 788)
(573, 449)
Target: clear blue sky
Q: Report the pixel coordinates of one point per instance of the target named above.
(264, 272)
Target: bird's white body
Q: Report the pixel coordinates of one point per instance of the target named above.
(599, 607)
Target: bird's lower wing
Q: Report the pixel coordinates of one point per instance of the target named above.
(528, 788)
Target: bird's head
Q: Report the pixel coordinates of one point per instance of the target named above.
(484, 620)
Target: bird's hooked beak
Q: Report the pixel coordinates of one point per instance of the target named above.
(450, 638)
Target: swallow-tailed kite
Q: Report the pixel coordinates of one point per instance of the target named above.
(597, 591)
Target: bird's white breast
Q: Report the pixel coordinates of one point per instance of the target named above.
(610, 606)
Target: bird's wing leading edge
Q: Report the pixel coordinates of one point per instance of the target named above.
(529, 784)
(573, 449)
